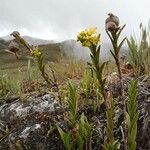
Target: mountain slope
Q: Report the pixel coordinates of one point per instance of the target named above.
(51, 52)
(30, 40)
(3, 44)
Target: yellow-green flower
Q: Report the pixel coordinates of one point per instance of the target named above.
(36, 52)
(88, 37)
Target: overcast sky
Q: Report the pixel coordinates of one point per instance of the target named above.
(62, 19)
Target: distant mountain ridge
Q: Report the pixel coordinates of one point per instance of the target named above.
(52, 51)
(52, 48)
(30, 40)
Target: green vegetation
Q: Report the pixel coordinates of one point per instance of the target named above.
(9, 85)
(29, 71)
(81, 130)
(86, 89)
(132, 115)
(89, 86)
(3, 44)
(79, 137)
(139, 53)
(114, 36)
(111, 144)
(89, 38)
(51, 52)
(73, 103)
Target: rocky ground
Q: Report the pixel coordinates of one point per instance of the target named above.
(32, 124)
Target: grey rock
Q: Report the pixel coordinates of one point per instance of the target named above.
(24, 134)
(21, 109)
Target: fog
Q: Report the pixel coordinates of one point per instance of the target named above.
(62, 19)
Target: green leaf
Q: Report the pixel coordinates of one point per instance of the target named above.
(66, 138)
(132, 115)
(110, 37)
(120, 31)
(113, 54)
(120, 45)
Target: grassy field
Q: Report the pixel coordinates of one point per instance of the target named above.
(8, 61)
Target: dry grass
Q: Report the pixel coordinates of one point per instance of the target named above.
(68, 69)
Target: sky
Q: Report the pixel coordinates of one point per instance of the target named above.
(62, 19)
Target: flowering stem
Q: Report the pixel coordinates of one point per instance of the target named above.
(34, 51)
(114, 37)
(90, 38)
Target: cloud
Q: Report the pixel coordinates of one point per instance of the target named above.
(62, 19)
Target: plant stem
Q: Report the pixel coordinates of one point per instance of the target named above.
(114, 36)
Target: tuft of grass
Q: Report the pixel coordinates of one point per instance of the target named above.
(73, 103)
(139, 53)
(10, 85)
(4, 85)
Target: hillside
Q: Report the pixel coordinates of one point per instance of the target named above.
(3, 44)
(52, 52)
(30, 40)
